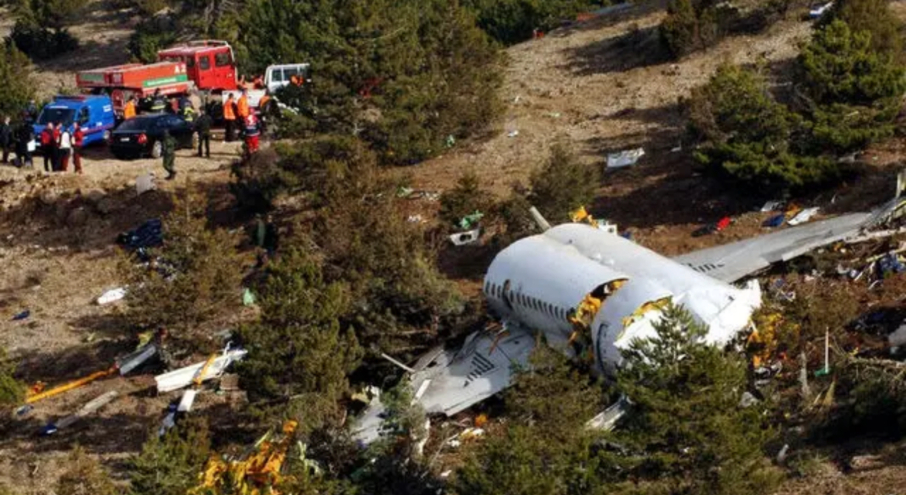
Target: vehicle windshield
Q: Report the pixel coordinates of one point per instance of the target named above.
(56, 115)
(135, 125)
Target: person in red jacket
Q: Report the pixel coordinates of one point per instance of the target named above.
(47, 149)
(251, 134)
(78, 139)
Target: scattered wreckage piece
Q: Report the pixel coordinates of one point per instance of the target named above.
(131, 361)
(183, 377)
(466, 238)
(90, 408)
(111, 296)
(624, 158)
(32, 398)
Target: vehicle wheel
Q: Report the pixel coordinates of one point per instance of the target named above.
(157, 149)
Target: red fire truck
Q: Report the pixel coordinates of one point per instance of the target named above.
(207, 66)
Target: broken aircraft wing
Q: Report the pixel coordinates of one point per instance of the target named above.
(456, 380)
(731, 262)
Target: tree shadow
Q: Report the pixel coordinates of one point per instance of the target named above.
(637, 47)
(610, 16)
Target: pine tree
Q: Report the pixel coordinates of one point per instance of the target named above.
(16, 80)
(465, 198)
(854, 89)
(874, 17)
(687, 426)
(191, 278)
(299, 349)
(545, 448)
(171, 465)
(563, 184)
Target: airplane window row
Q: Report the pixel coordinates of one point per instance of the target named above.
(525, 301)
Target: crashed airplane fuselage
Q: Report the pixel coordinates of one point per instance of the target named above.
(591, 293)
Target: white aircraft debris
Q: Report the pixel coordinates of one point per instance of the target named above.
(803, 216)
(624, 158)
(466, 238)
(112, 295)
(184, 377)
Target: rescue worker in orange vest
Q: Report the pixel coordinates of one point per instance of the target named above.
(242, 106)
(263, 110)
(229, 117)
(129, 109)
(251, 134)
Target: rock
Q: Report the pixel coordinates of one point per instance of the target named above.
(77, 217)
(94, 196)
(106, 205)
(49, 196)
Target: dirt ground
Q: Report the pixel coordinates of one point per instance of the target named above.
(601, 86)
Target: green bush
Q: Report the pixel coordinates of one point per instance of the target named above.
(299, 348)
(40, 43)
(464, 199)
(562, 185)
(690, 25)
(17, 81)
(874, 17)
(170, 465)
(748, 135)
(194, 276)
(402, 75)
(12, 391)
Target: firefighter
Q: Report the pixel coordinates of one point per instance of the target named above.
(229, 117)
(251, 134)
(54, 147)
(158, 103)
(188, 113)
(169, 154)
(242, 106)
(129, 109)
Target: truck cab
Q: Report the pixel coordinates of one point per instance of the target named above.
(94, 113)
(209, 63)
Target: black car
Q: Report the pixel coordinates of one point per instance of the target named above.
(143, 135)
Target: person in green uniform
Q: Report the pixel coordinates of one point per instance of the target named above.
(169, 154)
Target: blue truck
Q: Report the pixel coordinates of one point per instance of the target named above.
(94, 113)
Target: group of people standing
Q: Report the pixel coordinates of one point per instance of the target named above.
(58, 144)
(238, 116)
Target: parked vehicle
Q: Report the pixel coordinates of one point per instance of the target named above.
(142, 136)
(93, 113)
(207, 66)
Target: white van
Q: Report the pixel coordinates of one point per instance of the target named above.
(278, 76)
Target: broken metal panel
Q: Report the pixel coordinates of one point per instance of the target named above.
(136, 359)
(482, 368)
(184, 377)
